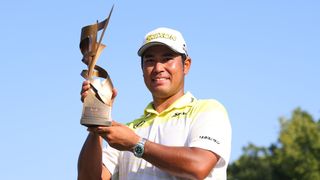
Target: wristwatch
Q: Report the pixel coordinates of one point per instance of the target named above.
(138, 149)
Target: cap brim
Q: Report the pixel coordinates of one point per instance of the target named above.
(148, 45)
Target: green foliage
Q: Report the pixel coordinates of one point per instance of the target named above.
(253, 164)
(295, 156)
(298, 154)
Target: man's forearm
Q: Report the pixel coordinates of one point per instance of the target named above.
(90, 158)
(186, 162)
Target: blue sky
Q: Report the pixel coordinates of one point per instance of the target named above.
(259, 58)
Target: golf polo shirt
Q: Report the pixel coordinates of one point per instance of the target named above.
(187, 122)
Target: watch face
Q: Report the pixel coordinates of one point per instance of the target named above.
(138, 150)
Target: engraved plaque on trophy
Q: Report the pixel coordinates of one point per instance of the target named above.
(97, 105)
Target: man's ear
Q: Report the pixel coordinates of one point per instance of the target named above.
(187, 65)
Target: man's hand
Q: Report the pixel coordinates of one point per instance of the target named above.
(86, 87)
(84, 90)
(117, 135)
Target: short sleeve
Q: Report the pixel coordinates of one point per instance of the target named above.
(211, 130)
(110, 158)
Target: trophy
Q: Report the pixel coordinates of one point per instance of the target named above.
(97, 105)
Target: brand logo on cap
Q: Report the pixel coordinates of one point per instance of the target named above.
(160, 35)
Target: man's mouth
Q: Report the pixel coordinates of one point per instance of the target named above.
(159, 79)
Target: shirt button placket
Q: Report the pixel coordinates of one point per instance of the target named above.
(153, 130)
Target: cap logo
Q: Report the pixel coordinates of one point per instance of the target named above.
(160, 35)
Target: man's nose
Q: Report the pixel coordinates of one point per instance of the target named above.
(158, 66)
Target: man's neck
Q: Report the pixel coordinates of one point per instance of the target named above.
(161, 104)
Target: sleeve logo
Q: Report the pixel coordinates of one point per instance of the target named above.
(210, 139)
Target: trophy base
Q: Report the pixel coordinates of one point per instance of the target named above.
(89, 121)
(95, 113)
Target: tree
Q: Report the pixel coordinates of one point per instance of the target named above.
(253, 164)
(296, 155)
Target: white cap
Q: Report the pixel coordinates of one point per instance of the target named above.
(164, 36)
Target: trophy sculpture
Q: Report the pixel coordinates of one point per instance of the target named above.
(97, 105)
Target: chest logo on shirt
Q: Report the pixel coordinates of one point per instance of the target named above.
(178, 114)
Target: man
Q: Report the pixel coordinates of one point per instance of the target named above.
(177, 137)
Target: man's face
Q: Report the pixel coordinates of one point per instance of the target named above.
(164, 71)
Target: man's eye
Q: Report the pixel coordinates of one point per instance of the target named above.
(167, 58)
(148, 60)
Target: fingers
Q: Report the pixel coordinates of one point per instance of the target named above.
(86, 86)
(98, 129)
(114, 123)
(103, 129)
(114, 93)
(84, 90)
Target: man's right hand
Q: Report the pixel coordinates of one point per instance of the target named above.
(86, 87)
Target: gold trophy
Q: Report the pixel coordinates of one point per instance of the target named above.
(97, 105)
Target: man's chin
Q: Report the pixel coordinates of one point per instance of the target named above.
(160, 92)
